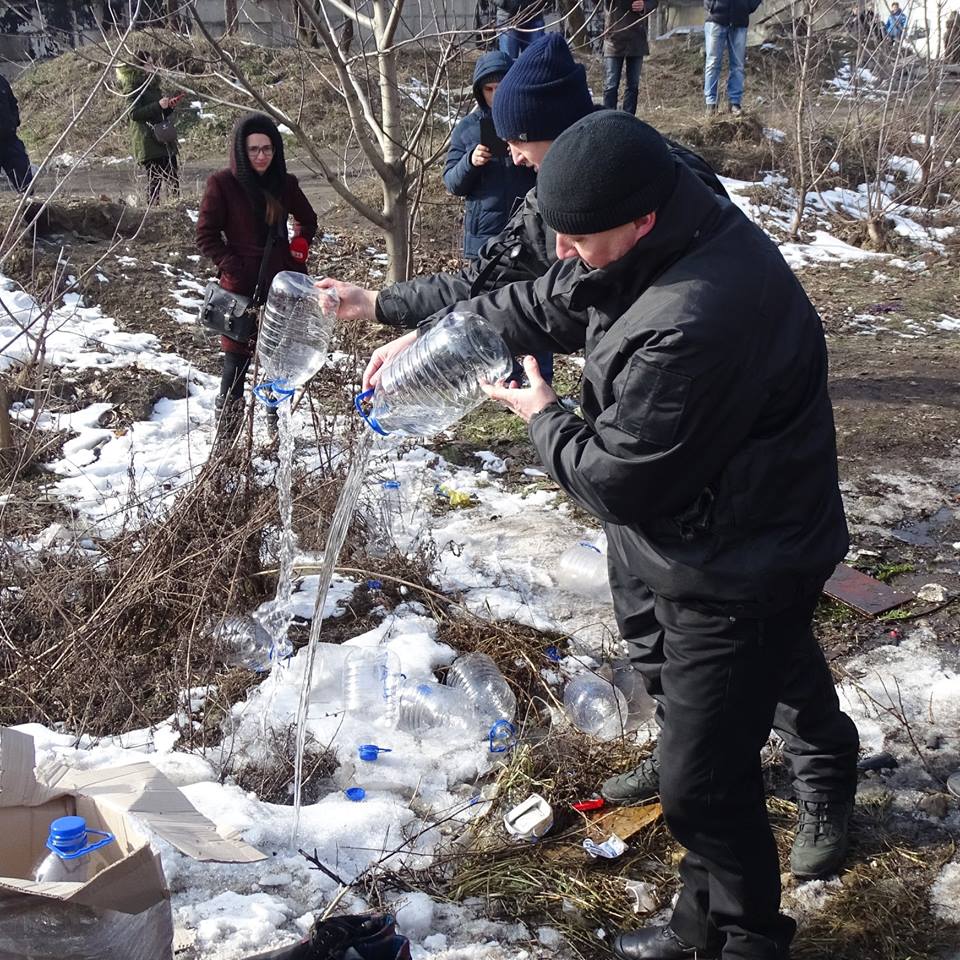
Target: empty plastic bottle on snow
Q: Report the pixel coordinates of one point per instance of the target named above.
(486, 687)
(595, 706)
(298, 320)
(371, 684)
(71, 844)
(427, 707)
(436, 381)
(582, 569)
(245, 643)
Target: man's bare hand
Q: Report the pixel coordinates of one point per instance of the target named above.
(525, 402)
(481, 155)
(356, 303)
(383, 355)
(637, 6)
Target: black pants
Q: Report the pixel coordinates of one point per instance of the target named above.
(233, 375)
(721, 684)
(15, 162)
(162, 171)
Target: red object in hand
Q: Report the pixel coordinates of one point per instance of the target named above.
(299, 249)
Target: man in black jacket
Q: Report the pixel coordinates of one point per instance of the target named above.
(707, 447)
(725, 28)
(542, 94)
(13, 154)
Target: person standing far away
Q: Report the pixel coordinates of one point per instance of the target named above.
(244, 207)
(624, 47)
(148, 106)
(13, 154)
(480, 168)
(725, 29)
(896, 25)
(525, 19)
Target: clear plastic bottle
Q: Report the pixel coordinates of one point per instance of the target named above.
(436, 381)
(371, 684)
(391, 508)
(595, 706)
(298, 320)
(481, 680)
(582, 569)
(432, 708)
(245, 643)
(71, 858)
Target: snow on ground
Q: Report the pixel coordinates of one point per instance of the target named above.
(499, 552)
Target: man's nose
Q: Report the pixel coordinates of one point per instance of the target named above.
(565, 249)
(518, 159)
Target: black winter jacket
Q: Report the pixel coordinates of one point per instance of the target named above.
(525, 250)
(707, 443)
(494, 190)
(9, 109)
(730, 13)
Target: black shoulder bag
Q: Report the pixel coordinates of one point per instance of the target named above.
(231, 314)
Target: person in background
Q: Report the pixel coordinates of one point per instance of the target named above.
(896, 25)
(13, 154)
(493, 186)
(244, 205)
(148, 106)
(624, 47)
(725, 28)
(526, 24)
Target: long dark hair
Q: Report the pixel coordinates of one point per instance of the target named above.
(264, 190)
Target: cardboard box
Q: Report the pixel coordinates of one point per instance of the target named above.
(123, 911)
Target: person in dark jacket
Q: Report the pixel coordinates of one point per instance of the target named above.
(148, 106)
(13, 154)
(725, 28)
(520, 22)
(707, 448)
(242, 207)
(624, 47)
(544, 93)
(493, 186)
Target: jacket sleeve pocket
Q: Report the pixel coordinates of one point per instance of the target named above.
(652, 403)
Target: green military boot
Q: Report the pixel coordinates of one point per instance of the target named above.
(822, 838)
(635, 786)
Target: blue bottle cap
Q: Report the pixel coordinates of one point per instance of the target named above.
(356, 794)
(391, 484)
(553, 654)
(374, 584)
(68, 832)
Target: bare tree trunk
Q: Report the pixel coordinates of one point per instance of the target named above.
(229, 17)
(396, 197)
(802, 55)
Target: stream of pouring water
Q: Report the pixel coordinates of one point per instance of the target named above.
(276, 617)
(342, 514)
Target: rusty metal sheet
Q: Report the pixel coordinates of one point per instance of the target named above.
(863, 593)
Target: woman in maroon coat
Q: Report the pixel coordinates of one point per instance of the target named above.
(241, 206)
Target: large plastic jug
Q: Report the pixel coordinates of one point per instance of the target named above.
(433, 383)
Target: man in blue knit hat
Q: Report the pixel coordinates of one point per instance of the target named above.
(543, 93)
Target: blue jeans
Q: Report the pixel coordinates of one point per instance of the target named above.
(734, 40)
(612, 68)
(513, 42)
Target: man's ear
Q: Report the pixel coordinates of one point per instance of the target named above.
(645, 224)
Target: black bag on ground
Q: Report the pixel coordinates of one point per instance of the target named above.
(164, 132)
(233, 315)
(372, 937)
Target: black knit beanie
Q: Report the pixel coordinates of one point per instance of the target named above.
(275, 177)
(543, 93)
(608, 169)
